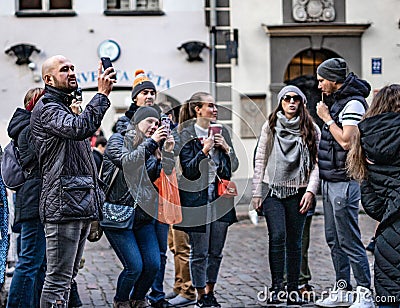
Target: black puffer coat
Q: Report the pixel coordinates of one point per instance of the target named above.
(193, 184)
(70, 189)
(27, 196)
(381, 197)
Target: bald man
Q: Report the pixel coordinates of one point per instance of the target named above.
(70, 197)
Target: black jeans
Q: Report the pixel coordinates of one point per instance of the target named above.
(285, 229)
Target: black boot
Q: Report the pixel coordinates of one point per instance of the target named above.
(294, 299)
(277, 296)
(74, 299)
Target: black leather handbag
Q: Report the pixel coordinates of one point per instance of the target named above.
(117, 216)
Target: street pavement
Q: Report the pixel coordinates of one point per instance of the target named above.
(244, 273)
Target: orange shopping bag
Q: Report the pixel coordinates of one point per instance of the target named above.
(169, 203)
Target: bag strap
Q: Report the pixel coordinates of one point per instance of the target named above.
(135, 204)
(114, 176)
(216, 172)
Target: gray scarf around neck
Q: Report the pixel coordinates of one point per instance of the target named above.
(289, 164)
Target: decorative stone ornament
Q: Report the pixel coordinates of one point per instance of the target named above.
(313, 10)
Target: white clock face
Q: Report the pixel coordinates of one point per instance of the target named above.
(109, 48)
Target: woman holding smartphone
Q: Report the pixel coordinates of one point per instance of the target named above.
(204, 157)
(285, 183)
(136, 152)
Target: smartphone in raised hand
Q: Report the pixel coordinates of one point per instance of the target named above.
(106, 61)
(166, 122)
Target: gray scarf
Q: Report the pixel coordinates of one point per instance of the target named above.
(289, 164)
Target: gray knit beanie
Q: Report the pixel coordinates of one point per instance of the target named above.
(291, 88)
(334, 69)
(145, 112)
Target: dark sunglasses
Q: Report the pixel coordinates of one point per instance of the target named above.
(296, 98)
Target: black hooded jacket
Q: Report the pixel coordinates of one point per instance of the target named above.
(331, 155)
(27, 196)
(70, 188)
(381, 197)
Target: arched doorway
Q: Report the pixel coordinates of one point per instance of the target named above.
(293, 38)
(301, 72)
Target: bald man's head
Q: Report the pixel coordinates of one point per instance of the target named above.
(49, 64)
(59, 72)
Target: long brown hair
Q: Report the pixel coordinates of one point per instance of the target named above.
(386, 100)
(138, 137)
(188, 112)
(307, 128)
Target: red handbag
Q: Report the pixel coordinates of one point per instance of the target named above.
(226, 188)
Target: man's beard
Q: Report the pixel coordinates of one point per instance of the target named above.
(67, 89)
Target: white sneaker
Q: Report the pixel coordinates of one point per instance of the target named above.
(336, 298)
(363, 298)
(180, 301)
(253, 217)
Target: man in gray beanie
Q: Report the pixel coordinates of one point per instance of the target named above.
(341, 194)
(334, 69)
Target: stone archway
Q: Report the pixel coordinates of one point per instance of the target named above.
(288, 40)
(301, 73)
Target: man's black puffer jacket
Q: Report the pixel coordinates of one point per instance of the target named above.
(381, 197)
(70, 189)
(27, 196)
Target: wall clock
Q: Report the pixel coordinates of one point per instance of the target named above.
(109, 48)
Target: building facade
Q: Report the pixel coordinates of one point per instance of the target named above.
(135, 34)
(242, 51)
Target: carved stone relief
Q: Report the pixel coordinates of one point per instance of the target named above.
(313, 10)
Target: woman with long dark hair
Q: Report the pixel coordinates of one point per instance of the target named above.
(285, 183)
(374, 161)
(205, 158)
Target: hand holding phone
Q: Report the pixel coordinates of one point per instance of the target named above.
(77, 94)
(106, 61)
(166, 122)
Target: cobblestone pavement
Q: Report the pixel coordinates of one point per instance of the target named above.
(244, 271)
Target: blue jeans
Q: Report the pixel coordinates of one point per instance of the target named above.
(206, 253)
(285, 229)
(157, 291)
(139, 254)
(389, 306)
(341, 207)
(64, 248)
(27, 282)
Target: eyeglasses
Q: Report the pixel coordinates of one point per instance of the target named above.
(296, 98)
